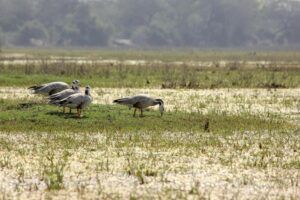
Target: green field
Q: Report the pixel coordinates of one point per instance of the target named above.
(230, 130)
(17, 116)
(153, 69)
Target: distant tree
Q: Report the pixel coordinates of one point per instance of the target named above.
(14, 13)
(30, 31)
(1, 38)
(133, 14)
(285, 16)
(293, 31)
(82, 29)
(52, 12)
(160, 32)
(188, 23)
(229, 23)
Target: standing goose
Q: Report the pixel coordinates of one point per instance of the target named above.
(78, 101)
(141, 102)
(53, 99)
(49, 88)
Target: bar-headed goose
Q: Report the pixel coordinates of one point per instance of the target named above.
(141, 102)
(78, 101)
(53, 99)
(49, 88)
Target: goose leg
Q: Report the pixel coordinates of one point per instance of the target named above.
(141, 113)
(134, 112)
(70, 110)
(64, 109)
(78, 112)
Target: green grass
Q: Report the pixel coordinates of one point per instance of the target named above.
(160, 54)
(151, 76)
(281, 71)
(36, 117)
(45, 152)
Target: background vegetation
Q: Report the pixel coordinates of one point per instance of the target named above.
(143, 23)
(189, 69)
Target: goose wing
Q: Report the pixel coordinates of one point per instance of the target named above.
(76, 100)
(140, 100)
(125, 101)
(61, 95)
(49, 88)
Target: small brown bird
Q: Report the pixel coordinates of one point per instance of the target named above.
(206, 125)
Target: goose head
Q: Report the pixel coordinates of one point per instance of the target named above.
(75, 84)
(87, 90)
(160, 102)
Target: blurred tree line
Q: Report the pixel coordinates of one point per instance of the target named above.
(154, 23)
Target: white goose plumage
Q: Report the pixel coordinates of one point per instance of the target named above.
(78, 101)
(141, 102)
(49, 88)
(53, 99)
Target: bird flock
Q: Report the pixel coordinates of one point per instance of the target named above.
(62, 95)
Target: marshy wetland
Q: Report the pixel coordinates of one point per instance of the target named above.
(230, 130)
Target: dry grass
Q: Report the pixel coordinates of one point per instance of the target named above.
(168, 165)
(245, 165)
(282, 102)
(200, 71)
(250, 150)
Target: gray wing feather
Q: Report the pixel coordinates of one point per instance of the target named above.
(61, 95)
(76, 100)
(130, 101)
(50, 88)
